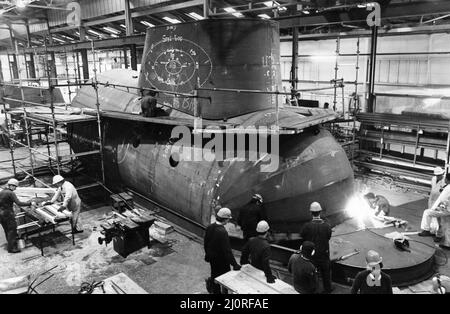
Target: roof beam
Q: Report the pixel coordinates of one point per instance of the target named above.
(403, 10)
(121, 17)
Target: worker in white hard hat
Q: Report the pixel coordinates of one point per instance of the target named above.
(372, 280)
(71, 200)
(318, 232)
(7, 215)
(436, 220)
(250, 215)
(218, 249)
(431, 220)
(438, 183)
(257, 250)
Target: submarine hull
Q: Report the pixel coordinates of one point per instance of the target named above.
(312, 167)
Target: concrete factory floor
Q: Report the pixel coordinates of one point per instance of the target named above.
(174, 268)
(177, 267)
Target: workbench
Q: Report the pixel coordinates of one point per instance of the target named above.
(250, 280)
(35, 225)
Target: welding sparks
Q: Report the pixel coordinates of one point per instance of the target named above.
(359, 209)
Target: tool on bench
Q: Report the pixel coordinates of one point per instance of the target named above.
(346, 256)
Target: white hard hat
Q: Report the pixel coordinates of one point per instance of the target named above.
(57, 179)
(315, 207)
(262, 226)
(224, 213)
(438, 171)
(373, 258)
(13, 182)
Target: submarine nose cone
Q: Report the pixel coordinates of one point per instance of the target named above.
(313, 168)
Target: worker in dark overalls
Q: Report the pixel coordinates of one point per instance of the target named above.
(258, 250)
(218, 249)
(148, 103)
(7, 215)
(250, 215)
(318, 232)
(379, 204)
(303, 269)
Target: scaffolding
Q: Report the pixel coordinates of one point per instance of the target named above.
(49, 116)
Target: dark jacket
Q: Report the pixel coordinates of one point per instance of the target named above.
(304, 272)
(360, 284)
(383, 204)
(258, 249)
(318, 232)
(217, 245)
(148, 106)
(249, 216)
(7, 199)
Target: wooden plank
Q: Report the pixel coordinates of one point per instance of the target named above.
(124, 283)
(250, 280)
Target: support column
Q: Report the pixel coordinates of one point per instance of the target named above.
(49, 34)
(27, 27)
(31, 70)
(294, 66)
(125, 57)
(372, 68)
(52, 67)
(85, 64)
(133, 54)
(12, 59)
(128, 19)
(82, 31)
(206, 9)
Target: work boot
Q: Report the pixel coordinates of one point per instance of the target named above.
(425, 233)
(437, 239)
(16, 250)
(75, 231)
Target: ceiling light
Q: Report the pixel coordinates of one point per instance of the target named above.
(271, 4)
(66, 37)
(264, 16)
(22, 3)
(147, 24)
(171, 20)
(114, 35)
(95, 33)
(2, 11)
(362, 6)
(111, 30)
(77, 33)
(60, 40)
(233, 12)
(196, 16)
(123, 25)
(305, 12)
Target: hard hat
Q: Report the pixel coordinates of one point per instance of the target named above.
(315, 207)
(262, 226)
(438, 171)
(224, 213)
(57, 179)
(257, 197)
(13, 182)
(373, 258)
(307, 248)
